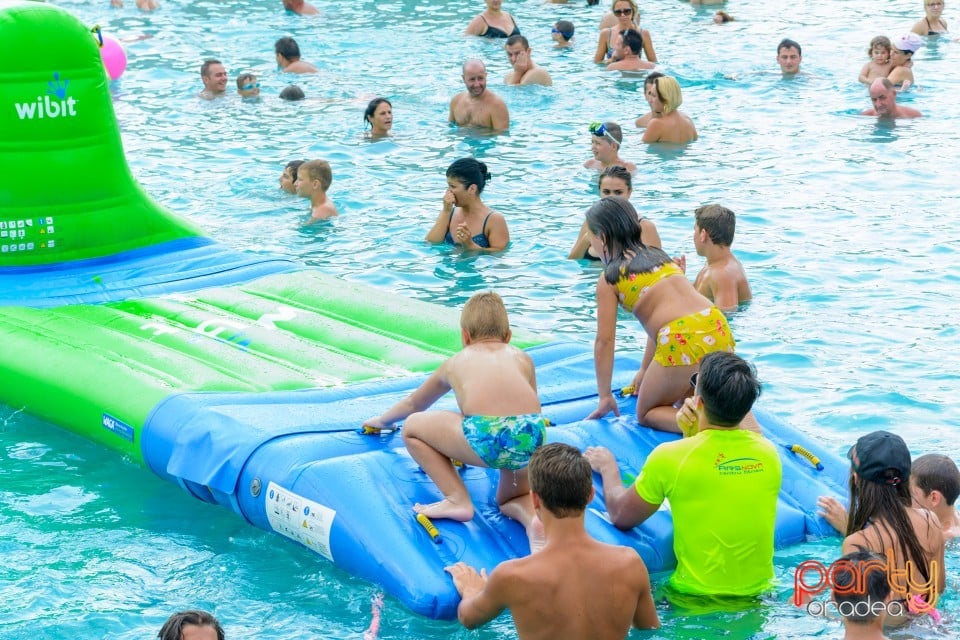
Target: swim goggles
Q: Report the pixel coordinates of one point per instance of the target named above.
(250, 87)
(566, 36)
(597, 129)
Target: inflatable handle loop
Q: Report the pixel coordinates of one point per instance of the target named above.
(801, 451)
(97, 32)
(431, 530)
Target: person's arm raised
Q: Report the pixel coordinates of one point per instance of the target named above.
(438, 231)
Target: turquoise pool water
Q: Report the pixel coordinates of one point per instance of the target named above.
(846, 229)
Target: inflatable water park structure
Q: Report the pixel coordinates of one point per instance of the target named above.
(243, 378)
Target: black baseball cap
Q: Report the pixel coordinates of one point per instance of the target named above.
(881, 457)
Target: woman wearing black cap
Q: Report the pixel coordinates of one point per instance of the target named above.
(882, 520)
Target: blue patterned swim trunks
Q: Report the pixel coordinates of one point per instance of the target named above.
(505, 442)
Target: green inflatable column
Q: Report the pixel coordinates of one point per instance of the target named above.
(66, 192)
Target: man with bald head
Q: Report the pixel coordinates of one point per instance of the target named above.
(477, 107)
(883, 95)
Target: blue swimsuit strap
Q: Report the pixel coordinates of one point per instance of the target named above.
(483, 227)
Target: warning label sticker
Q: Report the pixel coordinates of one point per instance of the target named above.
(300, 519)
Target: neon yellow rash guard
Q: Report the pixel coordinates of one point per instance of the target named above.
(722, 486)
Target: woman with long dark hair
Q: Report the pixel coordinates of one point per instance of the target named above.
(882, 520)
(682, 326)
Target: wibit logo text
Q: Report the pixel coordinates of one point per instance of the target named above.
(55, 104)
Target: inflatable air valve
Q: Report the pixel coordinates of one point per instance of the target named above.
(114, 58)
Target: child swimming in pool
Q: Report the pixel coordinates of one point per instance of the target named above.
(880, 64)
(313, 181)
(499, 423)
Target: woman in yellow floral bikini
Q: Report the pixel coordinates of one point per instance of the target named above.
(682, 326)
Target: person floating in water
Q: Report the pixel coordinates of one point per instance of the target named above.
(498, 424)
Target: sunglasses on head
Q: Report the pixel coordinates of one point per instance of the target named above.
(250, 87)
(623, 12)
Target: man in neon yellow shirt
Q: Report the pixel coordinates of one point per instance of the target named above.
(722, 483)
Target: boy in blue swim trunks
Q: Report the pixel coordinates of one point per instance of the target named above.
(499, 424)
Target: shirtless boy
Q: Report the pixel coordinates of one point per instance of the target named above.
(722, 279)
(313, 180)
(287, 53)
(499, 423)
(605, 141)
(935, 485)
(477, 107)
(576, 587)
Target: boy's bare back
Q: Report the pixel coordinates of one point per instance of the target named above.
(724, 282)
(588, 591)
(492, 378)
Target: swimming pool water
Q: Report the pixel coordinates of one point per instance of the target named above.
(846, 229)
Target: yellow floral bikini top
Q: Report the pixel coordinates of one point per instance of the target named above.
(631, 287)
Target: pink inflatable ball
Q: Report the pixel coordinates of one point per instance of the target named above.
(114, 58)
